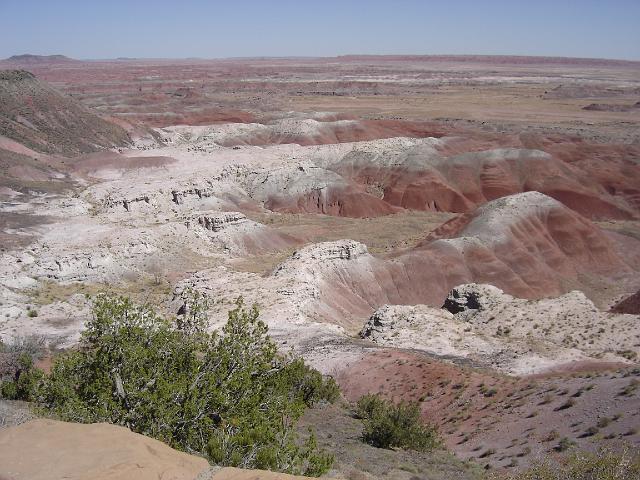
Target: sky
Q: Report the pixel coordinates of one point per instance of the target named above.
(92, 29)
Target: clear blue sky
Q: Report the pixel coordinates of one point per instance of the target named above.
(212, 29)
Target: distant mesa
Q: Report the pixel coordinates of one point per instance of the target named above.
(29, 59)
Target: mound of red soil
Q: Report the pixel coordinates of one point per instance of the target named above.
(631, 305)
(494, 419)
(528, 245)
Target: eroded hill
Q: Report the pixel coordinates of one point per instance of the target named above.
(43, 119)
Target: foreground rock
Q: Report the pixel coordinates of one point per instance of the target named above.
(48, 450)
(51, 450)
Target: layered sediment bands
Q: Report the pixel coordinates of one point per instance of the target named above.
(342, 201)
(527, 244)
(448, 174)
(323, 131)
(311, 189)
(424, 179)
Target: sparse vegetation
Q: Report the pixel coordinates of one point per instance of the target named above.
(591, 431)
(548, 398)
(568, 404)
(604, 422)
(22, 380)
(487, 453)
(602, 465)
(564, 444)
(628, 354)
(630, 388)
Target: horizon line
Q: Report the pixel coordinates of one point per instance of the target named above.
(338, 56)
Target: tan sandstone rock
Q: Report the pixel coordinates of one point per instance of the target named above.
(49, 450)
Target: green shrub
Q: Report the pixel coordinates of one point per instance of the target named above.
(310, 384)
(603, 465)
(9, 390)
(230, 396)
(370, 406)
(24, 377)
(389, 425)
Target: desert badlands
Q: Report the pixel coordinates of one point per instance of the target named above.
(461, 232)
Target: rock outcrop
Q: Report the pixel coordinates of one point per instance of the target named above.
(483, 324)
(236, 234)
(473, 297)
(417, 327)
(222, 221)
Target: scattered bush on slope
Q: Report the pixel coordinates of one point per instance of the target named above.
(18, 376)
(602, 465)
(389, 425)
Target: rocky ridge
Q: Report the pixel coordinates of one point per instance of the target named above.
(483, 324)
